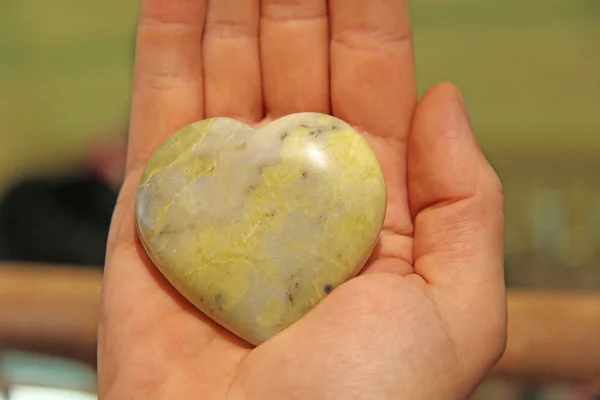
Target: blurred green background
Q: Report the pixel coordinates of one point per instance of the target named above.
(65, 79)
(529, 71)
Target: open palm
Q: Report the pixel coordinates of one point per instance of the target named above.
(426, 317)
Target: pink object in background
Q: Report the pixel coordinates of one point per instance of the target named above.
(107, 160)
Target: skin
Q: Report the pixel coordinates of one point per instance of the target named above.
(426, 318)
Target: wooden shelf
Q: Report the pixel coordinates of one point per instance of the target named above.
(553, 336)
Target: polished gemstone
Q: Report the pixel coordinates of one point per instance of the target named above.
(255, 227)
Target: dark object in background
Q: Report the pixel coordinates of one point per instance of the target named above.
(62, 220)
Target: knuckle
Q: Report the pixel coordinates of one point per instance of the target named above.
(369, 38)
(230, 29)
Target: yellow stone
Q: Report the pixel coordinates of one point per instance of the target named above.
(255, 227)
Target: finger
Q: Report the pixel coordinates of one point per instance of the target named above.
(455, 198)
(232, 60)
(294, 43)
(168, 86)
(372, 73)
(373, 87)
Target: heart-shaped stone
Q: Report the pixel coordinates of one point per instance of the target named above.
(255, 227)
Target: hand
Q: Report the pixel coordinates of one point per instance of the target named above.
(426, 319)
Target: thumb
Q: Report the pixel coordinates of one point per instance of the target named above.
(456, 202)
(455, 196)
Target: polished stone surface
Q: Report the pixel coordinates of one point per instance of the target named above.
(255, 227)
